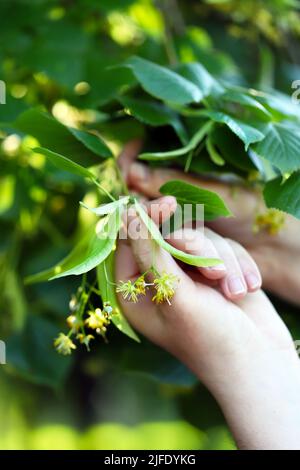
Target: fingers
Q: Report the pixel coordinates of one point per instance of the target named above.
(149, 256)
(141, 315)
(148, 180)
(237, 276)
(242, 273)
(146, 251)
(161, 209)
(248, 266)
(242, 202)
(196, 243)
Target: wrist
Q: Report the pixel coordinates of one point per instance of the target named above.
(259, 396)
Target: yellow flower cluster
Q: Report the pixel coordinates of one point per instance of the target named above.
(74, 323)
(85, 339)
(97, 320)
(64, 344)
(132, 290)
(165, 286)
(272, 221)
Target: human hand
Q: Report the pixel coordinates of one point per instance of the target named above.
(278, 256)
(236, 344)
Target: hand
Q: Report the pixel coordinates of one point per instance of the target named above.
(240, 349)
(278, 256)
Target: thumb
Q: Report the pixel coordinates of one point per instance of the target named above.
(150, 256)
(147, 253)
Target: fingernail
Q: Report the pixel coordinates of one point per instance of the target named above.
(236, 285)
(218, 268)
(140, 172)
(171, 200)
(253, 281)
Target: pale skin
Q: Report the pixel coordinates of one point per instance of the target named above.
(235, 343)
(278, 257)
(227, 332)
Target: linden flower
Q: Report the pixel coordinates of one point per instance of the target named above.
(141, 285)
(165, 287)
(96, 320)
(85, 339)
(73, 304)
(63, 344)
(128, 290)
(74, 323)
(272, 221)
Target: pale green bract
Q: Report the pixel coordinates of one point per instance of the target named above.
(94, 248)
(178, 254)
(105, 278)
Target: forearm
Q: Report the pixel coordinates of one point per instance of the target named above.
(260, 399)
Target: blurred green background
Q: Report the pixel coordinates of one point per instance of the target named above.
(58, 53)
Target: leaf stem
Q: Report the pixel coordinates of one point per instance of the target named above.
(106, 275)
(170, 10)
(122, 180)
(188, 161)
(96, 182)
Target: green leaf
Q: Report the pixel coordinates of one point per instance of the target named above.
(213, 153)
(195, 140)
(284, 196)
(13, 107)
(105, 83)
(106, 278)
(246, 133)
(79, 146)
(105, 209)
(232, 149)
(58, 49)
(122, 130)
(64, 163)
(281, 146)
(204, 81)
(241, 97)
(89, 253)
(92, 142)
(178, 254)
(32, 355)
(280, 105)
(154, 114)
(186, 193)
(163, 83)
